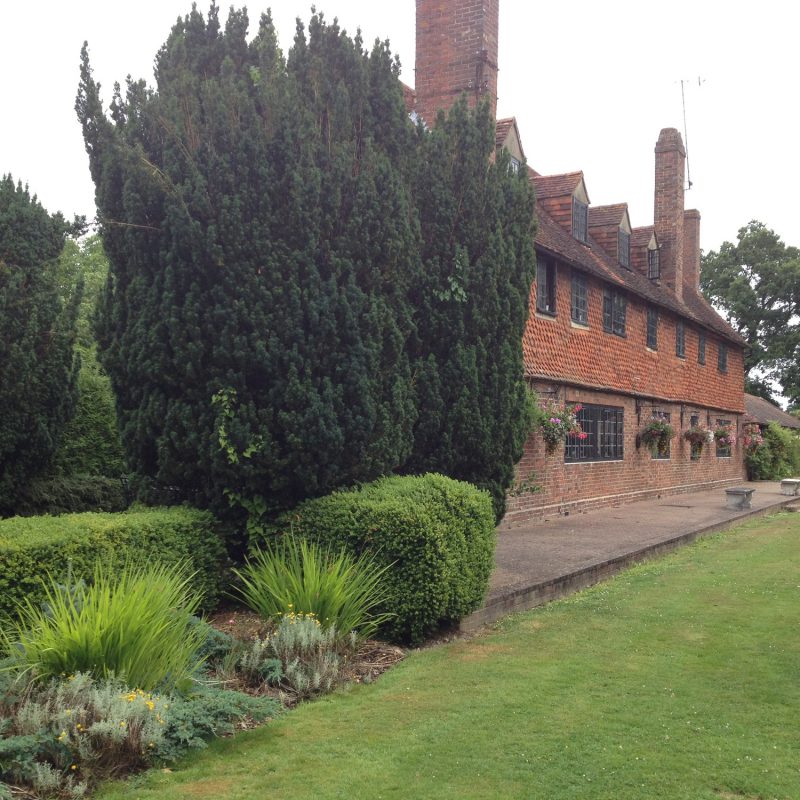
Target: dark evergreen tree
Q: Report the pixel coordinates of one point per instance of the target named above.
(37, 331)
(471, 304)
(261, 240)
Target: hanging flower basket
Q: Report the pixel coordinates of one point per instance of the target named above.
(724, 435)
(556, 422)
(697, 436)
(656, 434)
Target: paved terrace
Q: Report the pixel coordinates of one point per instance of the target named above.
(547, 559)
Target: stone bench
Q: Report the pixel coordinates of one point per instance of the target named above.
(790, 486)
(738, 498)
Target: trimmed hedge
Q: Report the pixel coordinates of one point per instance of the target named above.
(33, 547)
(437, 533)
(72, 495)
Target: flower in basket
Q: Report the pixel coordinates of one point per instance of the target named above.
(751, 436)
(557, 421)
(656, 433)
(697, 434)
(724, 435)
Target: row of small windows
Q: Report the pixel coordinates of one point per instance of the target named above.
(614, 312)
(604, 427)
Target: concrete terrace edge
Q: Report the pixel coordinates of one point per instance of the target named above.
(537, 594)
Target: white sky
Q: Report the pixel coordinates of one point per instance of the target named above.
(591, 84)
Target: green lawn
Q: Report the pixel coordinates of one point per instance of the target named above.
(678, 679)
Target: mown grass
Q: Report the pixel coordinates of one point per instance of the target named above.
(678, 679)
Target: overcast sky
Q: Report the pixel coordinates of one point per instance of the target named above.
(591, 84)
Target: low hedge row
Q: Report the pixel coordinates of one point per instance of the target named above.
(437, 533)
(72, 495)
(70, 545)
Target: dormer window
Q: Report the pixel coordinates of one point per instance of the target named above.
(653, 265)
(580, 219)
(624, 248)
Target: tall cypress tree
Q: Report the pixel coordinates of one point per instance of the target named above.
(471, 304)
(37, 332)
(261, 240)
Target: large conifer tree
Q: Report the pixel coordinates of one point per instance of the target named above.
(471, 305)
(261, 240)
(37, 331)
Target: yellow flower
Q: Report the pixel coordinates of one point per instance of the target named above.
(150, 704)
(74, 766)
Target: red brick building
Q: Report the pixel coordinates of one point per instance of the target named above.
(617, 322)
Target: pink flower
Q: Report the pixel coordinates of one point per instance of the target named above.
(583, 435)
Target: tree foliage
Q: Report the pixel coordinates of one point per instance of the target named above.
(471, 304)
(756, 282)
(37, 368)
(279, 231)
(90, 444)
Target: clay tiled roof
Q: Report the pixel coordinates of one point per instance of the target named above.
(553, 349)
(556, 185)
(640, 237)
(762, 411)
(591, 258)
(501, 130)
(607, 215)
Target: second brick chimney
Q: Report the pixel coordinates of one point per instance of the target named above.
(456, 53)
(669, 216)
(691, 249)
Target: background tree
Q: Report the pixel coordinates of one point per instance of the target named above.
(756, 282)
(471, 304)
(261, 240)
(90, 444)
(37, 331)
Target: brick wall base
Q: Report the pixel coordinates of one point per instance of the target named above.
(546, 486)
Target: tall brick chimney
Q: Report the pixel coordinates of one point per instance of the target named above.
(670, 170)
(456, 53)
(691, 249)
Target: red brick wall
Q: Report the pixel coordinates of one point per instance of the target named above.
(457, 44)
(570, 488)
(556, 348)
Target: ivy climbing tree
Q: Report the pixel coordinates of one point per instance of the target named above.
(37, 332)
(261, 242)
(471, 304)
(351, 288)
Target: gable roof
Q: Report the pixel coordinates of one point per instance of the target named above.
(607, 215)
(762, 411)
(547, 186)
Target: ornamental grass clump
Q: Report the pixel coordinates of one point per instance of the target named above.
(301, 577)
(135, 626)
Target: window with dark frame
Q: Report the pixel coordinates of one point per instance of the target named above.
(580, 299)
(680, 339)
(624, 248)
(545, 286)
(614, 312)
(580, 219)
(722, 357)
(723, 450)
(652, 327)
(701, 348)
(653, 265)
(667, 454)
(696, 447)
(604, 427)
